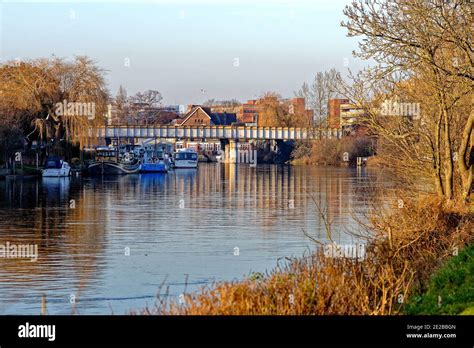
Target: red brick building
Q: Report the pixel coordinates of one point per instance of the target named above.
(248, 112)
(298, 106)
(202, 116)
(334, 112)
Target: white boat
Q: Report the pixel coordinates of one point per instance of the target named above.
(56, 168)
(186, 158)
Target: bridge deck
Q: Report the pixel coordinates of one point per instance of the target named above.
(218, 132)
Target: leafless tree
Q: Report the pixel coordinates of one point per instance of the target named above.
(122, 105)
(142, 105)
(424, 54)
(324, 86)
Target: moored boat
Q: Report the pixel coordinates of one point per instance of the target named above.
(157, 167)
(112, 168)
(186, 158)
(153, 162)
(56, 168)
(107, 163)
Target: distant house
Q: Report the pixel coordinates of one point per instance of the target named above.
(202, 116)
(348, 116)
(198, 115)
(298, 106)
(248, 112)
(176, 121)
(334, 111)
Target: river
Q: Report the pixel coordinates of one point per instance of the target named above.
(106, 245)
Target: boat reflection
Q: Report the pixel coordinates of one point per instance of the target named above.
(56, 188)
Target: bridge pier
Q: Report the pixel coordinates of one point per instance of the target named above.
(230, 148)
(231, 151)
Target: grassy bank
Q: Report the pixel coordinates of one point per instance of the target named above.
(400, 259)
(450, 290)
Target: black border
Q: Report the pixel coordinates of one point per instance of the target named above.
(242, 330)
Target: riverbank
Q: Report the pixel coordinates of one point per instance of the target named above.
(25, 173)
(450, 290)
(406, 250)
(334, 152)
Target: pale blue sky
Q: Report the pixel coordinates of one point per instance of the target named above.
(182, 47)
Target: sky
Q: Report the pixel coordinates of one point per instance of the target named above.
(190, 51)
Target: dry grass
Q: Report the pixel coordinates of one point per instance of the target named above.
(409, 245)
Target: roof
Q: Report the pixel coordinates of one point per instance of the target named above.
(176, 121)
(223, 118)
(217, 118)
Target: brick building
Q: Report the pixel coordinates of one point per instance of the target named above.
(298, 106)
(202, 116)
(334, 112)
(248, 112)
(346, 116)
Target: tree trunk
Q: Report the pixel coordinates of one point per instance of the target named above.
(437, 158)
(466, 158)
(448, 157)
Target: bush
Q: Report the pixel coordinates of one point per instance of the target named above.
(302, 149)
(330, 152)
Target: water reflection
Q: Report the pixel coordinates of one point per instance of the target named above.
(57, 189)
(111, 241)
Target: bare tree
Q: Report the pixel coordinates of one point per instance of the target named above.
(149, 98)
(122, 105)
(142, 105)
(424, 53)
(231, 103)
(210, 102)
(324, 86)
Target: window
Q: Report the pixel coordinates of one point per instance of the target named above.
(53, 164)
(186, 156)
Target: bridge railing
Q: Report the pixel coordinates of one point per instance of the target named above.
(218, 132)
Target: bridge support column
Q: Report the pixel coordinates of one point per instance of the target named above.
(232, 151)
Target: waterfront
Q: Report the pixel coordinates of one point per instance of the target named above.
(112, 241)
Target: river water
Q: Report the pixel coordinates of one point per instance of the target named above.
(106, 245)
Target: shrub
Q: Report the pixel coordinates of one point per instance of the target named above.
(331, 151)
